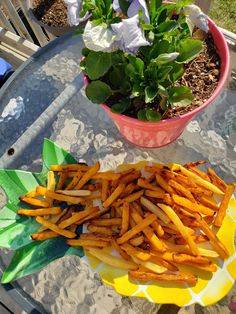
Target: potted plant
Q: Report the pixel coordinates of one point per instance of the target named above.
(153, 66)
(50, 14)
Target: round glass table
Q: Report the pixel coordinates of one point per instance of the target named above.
(49, 96)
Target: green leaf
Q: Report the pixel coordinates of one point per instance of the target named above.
(177, 72)
(163, 73)
(98, 92)
(165, 58)
(147, 27)
(153, 116)
(142, 115)
(188, 50)
(124, 5)
(35, 256)
(162, 91)
(159, 48)
(97, 64)
(150, 93)
(180, 96)
(121, 107)
(167, 26)
(85, 52)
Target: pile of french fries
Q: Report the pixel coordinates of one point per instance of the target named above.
(156, 219)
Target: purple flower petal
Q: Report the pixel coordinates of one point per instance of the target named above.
(135, 6)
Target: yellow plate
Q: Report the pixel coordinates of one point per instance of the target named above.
(210, 288)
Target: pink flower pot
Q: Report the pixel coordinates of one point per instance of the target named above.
(158, 134)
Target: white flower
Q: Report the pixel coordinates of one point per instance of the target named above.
(100, 38)
(134, 8)
(129, 34)
(74, 8)
(197, 17)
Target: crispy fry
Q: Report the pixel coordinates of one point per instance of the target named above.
(164, 263)
(144, 183)
(96, 214)
(59, 197)
(114, 195)
(154, 209)
(125, 218)
(137, 240)
(73, 228)
(158, 228)
(70, 167)
(200, 173)
(154, 194)
(216, 180)
(178, 187)
(44, 235)
(178, 223)
(51, 185)
(55, 228)
(182, 258)
(130, 177)
(111, 260)
(109, 175)
(210, 268)
(86, 242)
(74, 192)
(224, 205)
(195, 163)
(135, 252)
(209, 203)
(163, 184)
(200, 181)
(129, 189)
(31, 194)
(215, 242)
(104, 193)
(149, 265)
(149, 233)
(75, 180)
(77, 217)
(137, 207)
(153, 277)
(131, 198)
(54, 219)
(40, 211)
(196, 239)
(87, 176)
(100, 230)
(119, 250)
(91, 236)
(193, 207)
(34, 201)
(106, 222)
(62, 179)
(138, 228)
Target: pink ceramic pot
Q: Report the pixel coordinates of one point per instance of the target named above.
(158, 134)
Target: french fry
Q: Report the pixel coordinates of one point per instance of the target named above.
(59, 197)
(114, 195)
(91, 236)
(178, 223)
(74, 181)
(138, 228)
(74, 192)
(76, 217)
(154, 194)
(209, 268)
(62, 179)
(96, 214)
(40, 211)
(163, 184)
(51, 185)
(108, 176)
(104, 193)
(34, 202)
(216, 180)
(73, 228)
(164, 263)
(178, 187)
(144, 183)
(195, 163)
(31, 194)
(200, 181)
(100, 230)
(106, 222)
(54, 219)
(154, 209)
(148, 265)
(125, 218)
(137, 207)
(135, 252)
(182, 258)
(87, 176)
(44, 235)
(200, 173)
(193, 207)
(111, 260)
(86, 242)
(153, 277)
(196, 239)
(70, 167)
(158, 228)
(129, 189)
(137, 240)
(215, 242)
(224, 205)
(119, 250)
(149, 233)
(130, 177)
(209, 203)
(130, 198)
(55, 228)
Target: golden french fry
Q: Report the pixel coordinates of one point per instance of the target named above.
(163, 184)
(54, 219)
(34, 201)
(119, 250)
(158, 228)
(104, 193)
(224, 205)
(109, 175)
(111, 260)
(74, 192)
(96, 214)
(149, 265)
(216, 180)
(55, 228)
(106, 222)
(125, 218)
(87, 242)
(51, 185)
(195, 163)
(59, 197)
(44, 235)
(182, 258)
(129, 189)
(168, 265)
(31, 194)
(215, 242)
(138, 228)
(77, 217)
(100, 230)
(153, 277)
(137, 207)
(209, 268)
(91, 236)
(155, 194)
(137, 240)
(87, 176)
(130, 198)
(178, 223)
(154, 209)
(200, 181)
(62, 179)
(144, 183)
(200, 173)
(114, 195)
(130, 177)
(209, 203)
(70, 167)
(196, 239)
(135, 252)
(75, 180)
(73, 228)
(193, 207)
(40, 211)
(178, 187)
